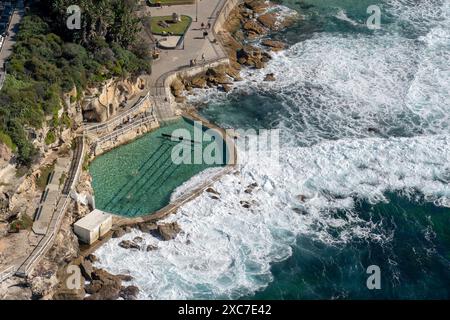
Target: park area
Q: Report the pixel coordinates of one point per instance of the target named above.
(166, 25)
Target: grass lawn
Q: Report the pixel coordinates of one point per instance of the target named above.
(177, 29)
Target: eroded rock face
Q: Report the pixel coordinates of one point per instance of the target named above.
(5, 154)
(177, 87)
(99, 104)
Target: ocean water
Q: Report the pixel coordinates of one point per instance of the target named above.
(363, 177)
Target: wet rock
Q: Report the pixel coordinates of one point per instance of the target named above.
(125, 277)
(269, 77)
(127, 244)
(198, 82)
(211, 190)
(151, 247)
(300, 211)
(273, 44)
(251, 187)
(110, 286)
(92, 258)
(138, 240)
(253, 28)
(147, 227)
(118, 233)
(268, 20)
(86, 269)
(245, 204)
(226, 87)
(93, 287)
(168, 231)
(129, 293)
(233, 73)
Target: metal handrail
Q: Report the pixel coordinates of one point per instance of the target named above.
(127, 128)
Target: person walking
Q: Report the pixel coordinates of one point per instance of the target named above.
(202, 25)
(203, 57)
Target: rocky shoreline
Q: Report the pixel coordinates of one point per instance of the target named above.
(246, 44)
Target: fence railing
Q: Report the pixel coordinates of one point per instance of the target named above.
(8, 272)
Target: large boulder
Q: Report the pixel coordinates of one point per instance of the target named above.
(93, 287)
(118, 233)
(168, 231)
(105, 286)
(177, 87)
(129, 293)
(147, 227)
(269, 77)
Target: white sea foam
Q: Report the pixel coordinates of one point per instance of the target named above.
(194, 182)
(225, 251)
(333, 90)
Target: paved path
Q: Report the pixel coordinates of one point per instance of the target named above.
(194, 44)
(51, 197)
(10, 40)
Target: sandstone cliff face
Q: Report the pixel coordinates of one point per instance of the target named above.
(99, 104)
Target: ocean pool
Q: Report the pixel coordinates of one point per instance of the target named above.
(138, 178)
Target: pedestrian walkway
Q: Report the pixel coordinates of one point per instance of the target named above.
(51, 196)
(194, 44)
(10, 40)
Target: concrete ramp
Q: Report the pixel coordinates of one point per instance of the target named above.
(50, 199)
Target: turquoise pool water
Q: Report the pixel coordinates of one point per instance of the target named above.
(138, 178)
